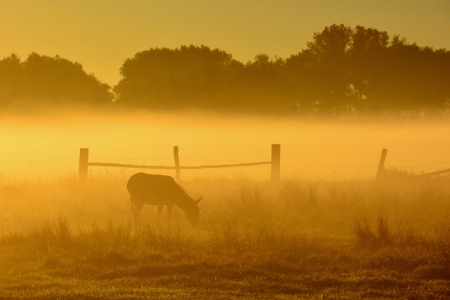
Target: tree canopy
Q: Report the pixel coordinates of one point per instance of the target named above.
(341, 71)
(363, 70)
(175, 79)
(42, 80)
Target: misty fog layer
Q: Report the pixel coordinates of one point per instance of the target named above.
(48, 147)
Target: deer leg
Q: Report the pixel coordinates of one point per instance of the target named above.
(169, 211)
(136, 211)
(160, 208)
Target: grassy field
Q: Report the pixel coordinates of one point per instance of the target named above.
(256, 240)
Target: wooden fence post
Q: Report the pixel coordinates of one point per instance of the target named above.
(177, 162)
(83, 165)
(276, 149)
(381, 164)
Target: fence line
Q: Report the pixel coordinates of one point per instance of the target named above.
(42, 169)
(332, 169)
(94, 164)
(435, 173)
(84, 164)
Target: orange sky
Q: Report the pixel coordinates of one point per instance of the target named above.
(102, 34)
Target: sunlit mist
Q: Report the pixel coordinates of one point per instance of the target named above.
(224, 149)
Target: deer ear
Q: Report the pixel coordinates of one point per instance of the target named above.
(197, 201)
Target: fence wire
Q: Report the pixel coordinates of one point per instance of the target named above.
(38, 169)
(360, 169)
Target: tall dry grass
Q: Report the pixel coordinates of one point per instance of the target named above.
(245, 227)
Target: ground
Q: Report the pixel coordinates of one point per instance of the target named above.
(296, 240)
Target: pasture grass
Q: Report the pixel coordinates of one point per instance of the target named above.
(256, 240)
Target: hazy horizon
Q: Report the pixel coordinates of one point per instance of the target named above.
(332, 84)
(310, 150)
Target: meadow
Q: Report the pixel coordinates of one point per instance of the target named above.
(296, 239)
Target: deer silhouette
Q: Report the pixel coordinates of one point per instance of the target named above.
(161, 190)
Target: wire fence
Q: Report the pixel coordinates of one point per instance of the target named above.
(38, 169)
(360, 169)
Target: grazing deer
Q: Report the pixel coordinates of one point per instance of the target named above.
(160, 190)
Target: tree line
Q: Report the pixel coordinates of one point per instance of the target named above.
(342, 71)
(50, 81)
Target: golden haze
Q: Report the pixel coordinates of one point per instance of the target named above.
(309, 149)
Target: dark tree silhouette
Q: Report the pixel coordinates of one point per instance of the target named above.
(198, 77)
(44, 80)
(329, 62)
(321, 72)
(188, 77)
(11, 80)
(367, 53)
(265, 87)
(415, 78)
(361, 70)
(342, 71)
